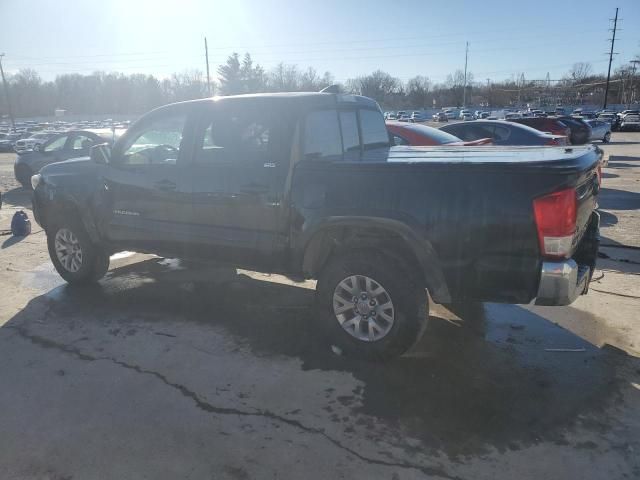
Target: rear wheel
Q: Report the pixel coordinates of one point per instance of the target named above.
(371, 308)
(76, 258)
(607, 137)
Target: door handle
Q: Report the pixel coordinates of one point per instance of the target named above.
(165, 185)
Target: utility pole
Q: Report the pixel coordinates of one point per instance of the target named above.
(206, 57)
(634, 83)
(464, 88)
(613, 41)
(6, 95)
(488, 93)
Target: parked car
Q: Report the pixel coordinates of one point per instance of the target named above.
(423, 135)
(465, 114)
(512, 115)
(440, 117)
(630, 121)
(58, 148)
(580, 130)
(600, 130)
(418, 117)
(378, 227)
(390, 116)
(451, 113)
(612, 118)
(8, 141)
(586, 115)
(502, 133)
(549, 125)
(28, 143)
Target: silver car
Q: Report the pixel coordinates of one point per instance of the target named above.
(600, 130)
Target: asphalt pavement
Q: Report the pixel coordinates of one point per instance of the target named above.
(166, 370)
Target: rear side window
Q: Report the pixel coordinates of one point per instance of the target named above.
(322, 136)
(374, 131)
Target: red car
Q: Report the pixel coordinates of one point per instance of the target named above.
(551, 125)
(421, 135)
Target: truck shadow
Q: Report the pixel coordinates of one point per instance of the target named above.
(614, 199)
(17, 197)
(479, 378)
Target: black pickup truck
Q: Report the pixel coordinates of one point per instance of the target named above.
(306, 184)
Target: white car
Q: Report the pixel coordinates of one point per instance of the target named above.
(464, 113)
(600, 130)
(30, 142)
(630, 121)
(418, 117)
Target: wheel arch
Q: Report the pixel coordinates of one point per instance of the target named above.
(64, 207)
(392, 237)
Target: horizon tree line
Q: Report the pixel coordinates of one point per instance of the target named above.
(118, 93)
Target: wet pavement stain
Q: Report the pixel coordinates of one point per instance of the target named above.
(482, 381)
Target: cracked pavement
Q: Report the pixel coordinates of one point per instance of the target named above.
(167, 370)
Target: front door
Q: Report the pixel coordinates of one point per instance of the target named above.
(147, 189)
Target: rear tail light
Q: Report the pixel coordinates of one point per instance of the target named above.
(555, 216)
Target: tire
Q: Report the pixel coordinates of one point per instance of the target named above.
(395, 328)
(607, 137)
(88, 267)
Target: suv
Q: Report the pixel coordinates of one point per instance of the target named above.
(306, 184)
(630, 120)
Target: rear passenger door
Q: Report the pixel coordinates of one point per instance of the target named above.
(239, 166)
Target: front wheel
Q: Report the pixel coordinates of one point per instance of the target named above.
(371, 308)
(607, 137)
(75, 257)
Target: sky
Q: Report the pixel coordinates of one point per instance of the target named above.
(346, 37)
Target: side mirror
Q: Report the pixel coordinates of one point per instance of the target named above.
(37, 147)
(101, 154)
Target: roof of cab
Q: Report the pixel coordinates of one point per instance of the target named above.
(301, 99)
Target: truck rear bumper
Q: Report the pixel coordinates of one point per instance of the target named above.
(562, 282)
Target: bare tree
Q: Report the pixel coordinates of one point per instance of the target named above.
(378, 85)
(417, 91)
(580, 71)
